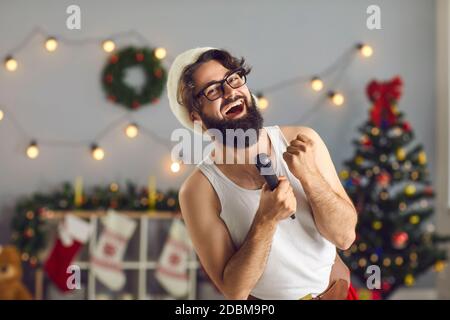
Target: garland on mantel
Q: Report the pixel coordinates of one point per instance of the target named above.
(29, 234)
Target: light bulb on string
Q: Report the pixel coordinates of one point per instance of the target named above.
(365, 50)
(160, 53)
(11, 63)
(97, 152)
(32, 150)
(316, 84)
(132, 130)
(175, 166)
(336, 98)
(51, 44)
(108, 45)
(263, 103)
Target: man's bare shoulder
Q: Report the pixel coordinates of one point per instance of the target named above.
(290, 132)
(197, 188)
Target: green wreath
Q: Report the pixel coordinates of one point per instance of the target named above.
(119, 92)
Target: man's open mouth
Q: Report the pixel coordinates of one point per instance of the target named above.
(235, 110)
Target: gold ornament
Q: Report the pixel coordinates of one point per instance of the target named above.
(422, 157)
(409, 280)
(344, 174)
(401, 154)
(364, 294)
(396, 111)
(439, 266)
(359, 160)
(410, 190)
(374, 258)
(415, 219)
(413, 256)
(387, 262)
(377, 225)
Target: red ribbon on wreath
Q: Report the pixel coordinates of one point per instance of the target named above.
(383, 95)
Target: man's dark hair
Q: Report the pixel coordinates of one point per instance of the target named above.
(186, 95)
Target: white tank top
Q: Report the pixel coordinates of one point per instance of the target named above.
(300, 259)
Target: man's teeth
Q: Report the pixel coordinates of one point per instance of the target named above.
(233, 106)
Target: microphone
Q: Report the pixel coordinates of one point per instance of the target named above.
(264, 166)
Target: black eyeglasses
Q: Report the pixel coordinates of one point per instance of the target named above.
(215, 90)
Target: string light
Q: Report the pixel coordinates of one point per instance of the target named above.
(365, 50)
(316, 84)
(51, 44)
(263, 103)
(32, 150)
(160, 53)
(132, 130)
(97, 152)
(1, 115)
(336, 98)
(11, 63)
(175, 167)
(108, 45)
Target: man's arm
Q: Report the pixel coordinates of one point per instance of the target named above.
(234, 271)
(309, 160)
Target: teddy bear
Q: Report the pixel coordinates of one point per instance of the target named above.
(11, 286)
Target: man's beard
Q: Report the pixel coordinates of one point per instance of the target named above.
(251, 120)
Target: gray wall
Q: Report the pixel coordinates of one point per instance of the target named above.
(59, 95)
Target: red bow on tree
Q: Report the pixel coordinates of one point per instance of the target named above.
(384, 95)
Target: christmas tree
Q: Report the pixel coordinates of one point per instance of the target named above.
(388, 181)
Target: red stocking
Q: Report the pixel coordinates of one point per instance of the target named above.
(73, 232)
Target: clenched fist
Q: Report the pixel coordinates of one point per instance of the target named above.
(300, 157)
(278, 204)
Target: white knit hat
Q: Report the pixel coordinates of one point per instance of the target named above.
(181, 62)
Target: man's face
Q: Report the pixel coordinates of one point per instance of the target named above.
(236, 109)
